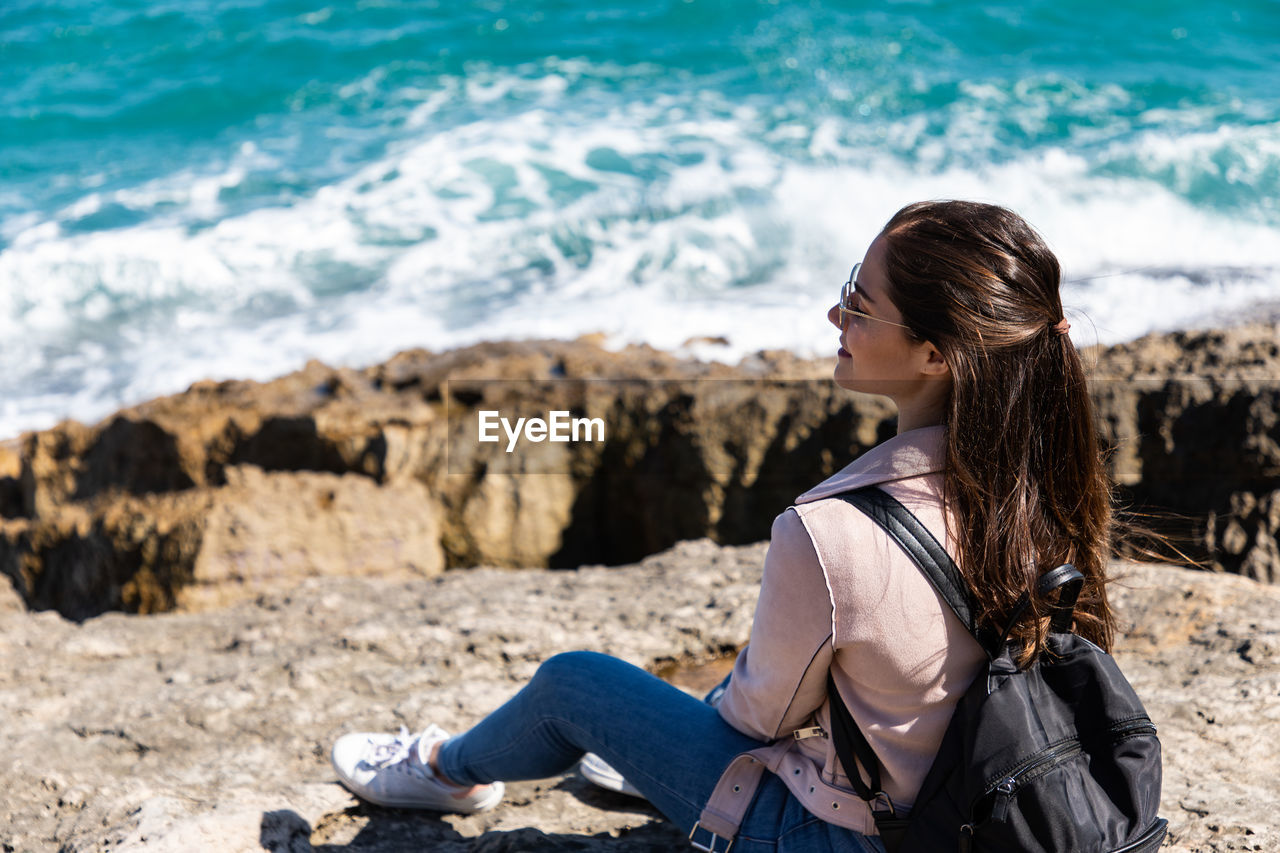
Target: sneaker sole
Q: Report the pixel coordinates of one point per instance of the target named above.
(453, 807)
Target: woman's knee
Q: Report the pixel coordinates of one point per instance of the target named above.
(567, 667)
(579, 676)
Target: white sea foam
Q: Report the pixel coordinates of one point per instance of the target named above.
(656, 222)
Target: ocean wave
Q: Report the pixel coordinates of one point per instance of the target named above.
(528, 227)
(229, 191)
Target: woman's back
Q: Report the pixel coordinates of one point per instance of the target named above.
(838, 594)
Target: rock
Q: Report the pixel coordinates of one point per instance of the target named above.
(1243, 352)
(10, 600)
(10, 479)
(1196, 418)
(1201, 650)
(210, 730)
(267, 531)
(130, 513)
(203, 547)
(153, 508)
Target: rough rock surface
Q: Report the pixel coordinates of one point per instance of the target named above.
(1195, 418)
(122, 515)
(210, 730)
(237, 488)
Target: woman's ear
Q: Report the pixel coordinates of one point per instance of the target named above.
(934, 365)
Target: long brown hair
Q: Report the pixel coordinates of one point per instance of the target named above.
(1024, 472)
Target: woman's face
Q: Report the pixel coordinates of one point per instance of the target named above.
(876, 356)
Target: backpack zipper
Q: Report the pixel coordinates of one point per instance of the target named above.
(1007, 786)
(1152, 835)
(1138, 726)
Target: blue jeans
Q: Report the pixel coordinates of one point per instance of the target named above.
(667, 744)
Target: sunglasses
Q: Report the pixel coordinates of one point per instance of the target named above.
(847, 293)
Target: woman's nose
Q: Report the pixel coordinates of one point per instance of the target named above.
(834, 316)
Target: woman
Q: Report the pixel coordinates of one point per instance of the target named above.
(955, 315)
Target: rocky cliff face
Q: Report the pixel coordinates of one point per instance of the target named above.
(211, 730)
(236, 488)
(1195, 417)
(233, 489)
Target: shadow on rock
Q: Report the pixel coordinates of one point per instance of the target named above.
(596, 797)
(285, 831)
(392, 830)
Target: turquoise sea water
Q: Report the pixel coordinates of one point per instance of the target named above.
(198, 188)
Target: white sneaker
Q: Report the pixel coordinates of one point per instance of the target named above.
(599, 772)
(392, 770)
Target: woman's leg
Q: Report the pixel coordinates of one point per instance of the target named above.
(669, 745)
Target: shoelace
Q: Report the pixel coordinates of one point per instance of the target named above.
(386, 754)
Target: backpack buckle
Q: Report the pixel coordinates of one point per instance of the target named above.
(882, 797)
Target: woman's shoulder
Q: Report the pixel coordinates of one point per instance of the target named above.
(843, 537)
(907, 456)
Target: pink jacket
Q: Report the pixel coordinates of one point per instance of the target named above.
(838, 594)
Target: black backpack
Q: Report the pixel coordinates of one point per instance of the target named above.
(1060, 756)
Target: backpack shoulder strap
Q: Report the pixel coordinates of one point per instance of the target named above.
(928, 554)
(941, 571)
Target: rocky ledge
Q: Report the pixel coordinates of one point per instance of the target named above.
(210, 730)
(235, 489)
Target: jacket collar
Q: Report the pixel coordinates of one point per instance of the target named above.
(910, 454)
